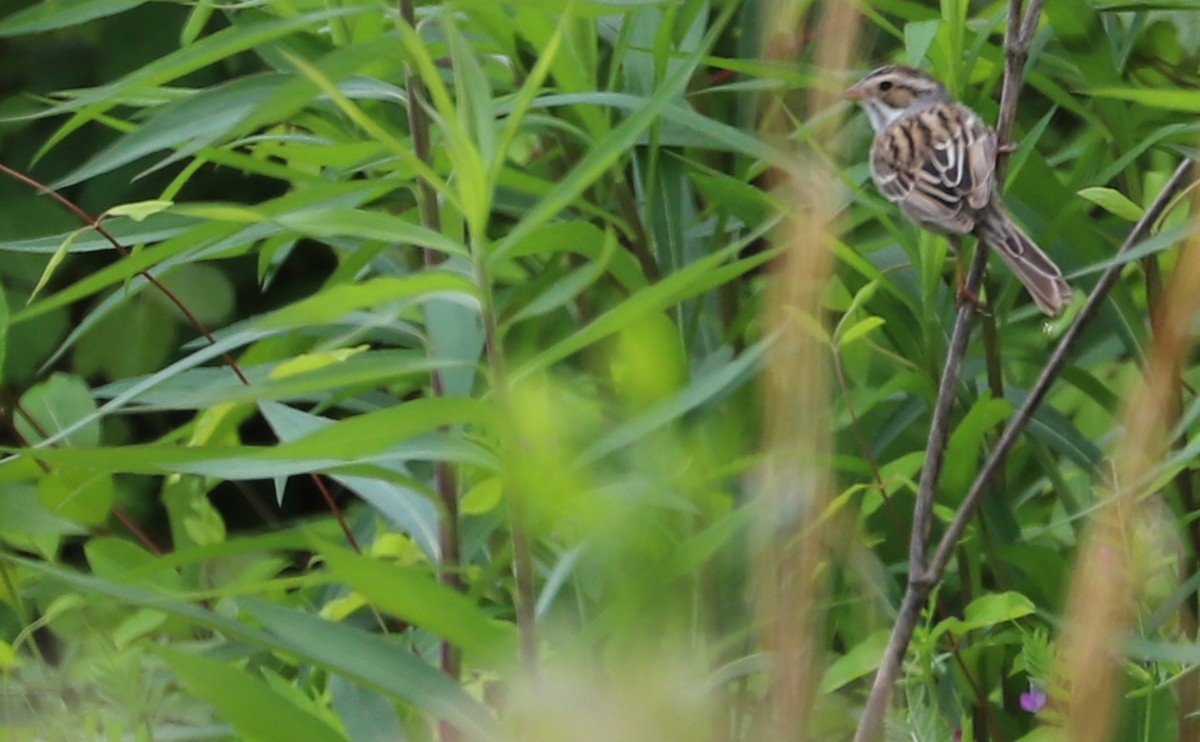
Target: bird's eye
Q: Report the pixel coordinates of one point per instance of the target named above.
(886, 85)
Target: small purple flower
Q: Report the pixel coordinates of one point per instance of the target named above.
(1033, 701)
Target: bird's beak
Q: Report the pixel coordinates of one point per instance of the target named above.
(856, 93)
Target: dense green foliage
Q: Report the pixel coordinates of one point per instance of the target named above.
(560, 339)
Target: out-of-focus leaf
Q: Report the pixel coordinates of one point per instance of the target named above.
(135, 338)
(917, 38)
(249, 705)
(80, 495)
(54, 14)
(335, 302)
(414, 596)
(712, 385)
(569, 286)
(367, 715)
(965, 446)
(862, 660)
(22, 517)
(53, 406)
(987, 611)
(1175, 99)
(374, 661)
(198, 388)
(372, 225)
(140, 211)
(121, 561)
(3, 331)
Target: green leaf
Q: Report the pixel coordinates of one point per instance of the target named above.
(603, 155)
(405, 503)
(988, 611)
(80, 495)
(60, 254)
(49, 15)
(1175, 99)
(3, 331)
(21, 512)
(251, 707)
(862, 660)
(203, 387)
(209, 234)
(337, 301)
(365, 714)
(137, 336)
(201, 287)
(414, 596)
(1114, 202)
(682, 284)
(569, 286)
(188, 125)
(454, 329)
(373, 661)
(122, 561)
(401, 432)
(713, 384)
(997, 608)
(962, 452)
(53, 406)
(857, 330)
(141, 210)
(918, 36)
(1164, 240)
(156, 229)
(371, 225)
(212, 49)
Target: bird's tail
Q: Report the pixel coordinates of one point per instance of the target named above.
(1036, 271)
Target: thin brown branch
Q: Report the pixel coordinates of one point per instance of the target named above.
(1018, 37)
(871, 724)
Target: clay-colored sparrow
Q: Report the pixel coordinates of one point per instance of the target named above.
(936, 159)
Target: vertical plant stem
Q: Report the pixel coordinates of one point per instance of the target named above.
(418, 127)
(792, 539)
(445, 484)
(917, 590)
(518, 520)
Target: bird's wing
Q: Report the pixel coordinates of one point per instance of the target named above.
(937, 165)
